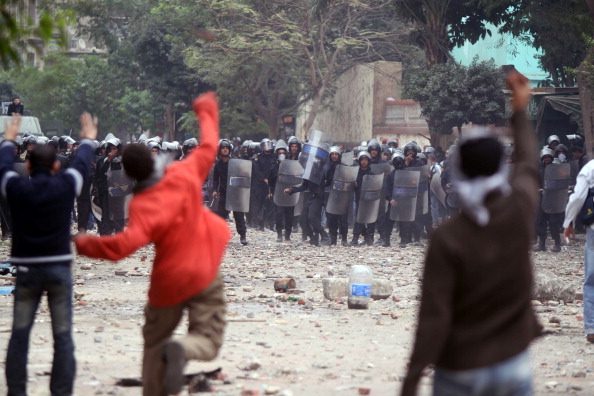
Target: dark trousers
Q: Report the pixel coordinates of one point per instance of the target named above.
(336, 224)
(5, 218)
(306, 230)
(284, 219)
(84, 213)
(422, 223)
(406, 231)
(108, 225)
(259, 205)
(312, 210)
(31, 282)
(239, 217)
(554, 222)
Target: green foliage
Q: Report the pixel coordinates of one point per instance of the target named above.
(70, 87)
(279, 54)
(18, 30)
(586, 69)
(560, 29)
(443, 24)
(452, 95)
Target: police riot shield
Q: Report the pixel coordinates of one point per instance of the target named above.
(21, 169)
(347, 158)
(119, 187)
(300, 202)
(369, 200)
(384, 168)
(437, 189)
(556, 184)
(423, 194)
(290, 174)
(239, 180)
(342, 189)
(404, 192)
(315, 155)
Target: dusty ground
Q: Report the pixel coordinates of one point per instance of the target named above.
(318, 348)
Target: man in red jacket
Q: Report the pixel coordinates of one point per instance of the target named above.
(189, 241)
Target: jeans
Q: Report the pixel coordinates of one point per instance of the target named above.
(31, 282)
(589, 282)
(512, 377)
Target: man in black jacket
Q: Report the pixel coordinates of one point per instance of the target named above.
(16, 107)
(41, 250)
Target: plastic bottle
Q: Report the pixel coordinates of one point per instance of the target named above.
(360, 280)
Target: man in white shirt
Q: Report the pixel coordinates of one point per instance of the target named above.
(585, 181)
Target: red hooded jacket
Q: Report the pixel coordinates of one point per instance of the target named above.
(189, 239)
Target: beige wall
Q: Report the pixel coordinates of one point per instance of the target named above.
(359, 102)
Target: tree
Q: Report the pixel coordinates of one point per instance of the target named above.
(285, 52)
(72, 86)
(17, 30)
(452, 95)
(443, 24)
(560, 29)
(586, 96)
(139, 45)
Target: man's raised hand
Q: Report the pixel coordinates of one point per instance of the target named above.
(11, 129)
(88, 126)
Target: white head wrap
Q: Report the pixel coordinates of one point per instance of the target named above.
(473, 191)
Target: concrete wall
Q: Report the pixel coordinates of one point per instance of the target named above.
(358, 103)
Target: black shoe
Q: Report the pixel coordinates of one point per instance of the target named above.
(314, 242)
(380, 241)
(279, 238)
(385, 243)
(403, 244)
(287, 239)
(556, 248)
(243, 240)
(345, 242)
(175, 361)
(261, 228)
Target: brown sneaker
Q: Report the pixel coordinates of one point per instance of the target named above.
(590, 338)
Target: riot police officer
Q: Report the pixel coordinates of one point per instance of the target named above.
(220, 174)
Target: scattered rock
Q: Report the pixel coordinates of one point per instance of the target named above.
(548, 286)
(284, 284)
(250, 365)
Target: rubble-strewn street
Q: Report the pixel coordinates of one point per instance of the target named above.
(297, 343)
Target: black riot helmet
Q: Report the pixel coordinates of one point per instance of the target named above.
(64, 141)
(393, 143)
(397, 160)
(293, 140)
(189, 145)
(373, 145)
(114, 142)
(410, 148)
(225, 143)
